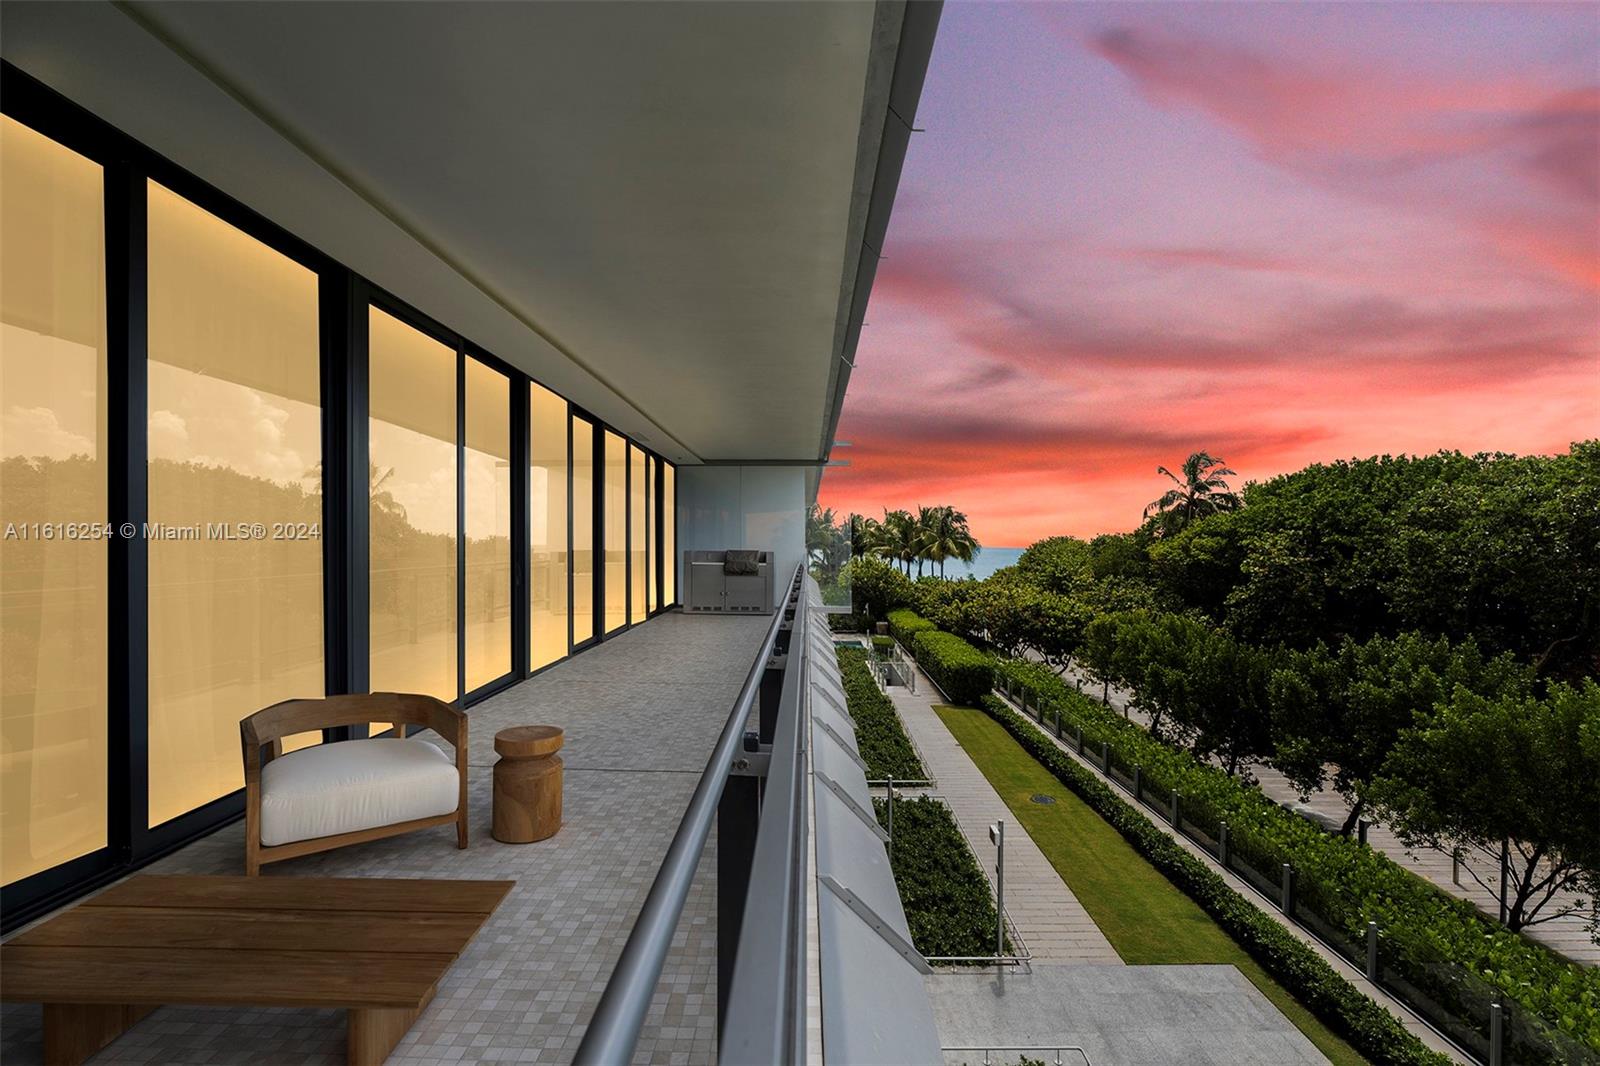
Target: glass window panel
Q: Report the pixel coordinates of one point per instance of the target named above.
(487, 466)
(616, 534)
(547, 526)
(669, 533)
(52, 470)
(582, 530)
(636, 533)
(235, 436)
(650, 523)
(412, 509)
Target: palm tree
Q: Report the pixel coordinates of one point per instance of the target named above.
(865, 533)
(948, 537)
(897, 538)
(1199, 492)
(827, 542)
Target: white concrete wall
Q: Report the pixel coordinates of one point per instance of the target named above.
(761, 507)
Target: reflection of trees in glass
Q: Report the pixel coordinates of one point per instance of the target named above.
(38, 490)
(828, 550)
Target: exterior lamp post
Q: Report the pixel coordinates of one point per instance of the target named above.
(997, 837)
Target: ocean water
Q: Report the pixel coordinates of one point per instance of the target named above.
(986, 562)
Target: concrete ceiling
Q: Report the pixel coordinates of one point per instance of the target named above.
(654, 208)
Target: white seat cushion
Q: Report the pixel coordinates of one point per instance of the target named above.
(352, 785)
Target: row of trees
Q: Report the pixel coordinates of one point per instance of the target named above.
(1418, 634)
(932, 536)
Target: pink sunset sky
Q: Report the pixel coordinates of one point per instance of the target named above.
(1282, 233)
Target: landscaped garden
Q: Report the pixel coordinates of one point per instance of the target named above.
(1147, 920)
(1419, 635)
(948, 901)
(880, 737)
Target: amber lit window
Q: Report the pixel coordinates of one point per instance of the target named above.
(636, 535)
(669, 530)
(412, 509)
(583, 531)
(616, 539)
(235, 437)
(547, 526)
(487, 465)
(52, 447)
(650, 541)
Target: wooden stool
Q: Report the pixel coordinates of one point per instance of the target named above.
(527, 783)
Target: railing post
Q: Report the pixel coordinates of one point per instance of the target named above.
(1372, 952)
(1361, 829)
(1222, 845)
(1497, 1034)
(1288, 890)
(1138, 772)
(738, 819)
(1173, 813)
(888, 805)
(1105, 756)
(1080, 739)
(997, 833)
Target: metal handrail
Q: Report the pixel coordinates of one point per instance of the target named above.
(613, 1031)
(986, 1049)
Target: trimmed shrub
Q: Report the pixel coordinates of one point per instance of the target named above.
(1368, 1027)
(847, 623)
(1346, 883)
(963, 673)
(881, 645)
(879, 734)
(905, 624)
(949, 904)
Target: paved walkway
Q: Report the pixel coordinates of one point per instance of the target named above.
(1044, 912)
(1565, 934)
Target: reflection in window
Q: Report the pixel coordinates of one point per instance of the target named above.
(636, 534)
(616, 537)
(487, 464)
(52, 469)
(669, 533)
(582, 530)
(412, 509)
(650, 523)
(547, 526)
(235, 436)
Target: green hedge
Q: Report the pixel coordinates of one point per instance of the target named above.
(880, 737)
(1347, 883)
(905, 624)
(962, 672)
(848, 623)
(949, 904)
(1368, 1027)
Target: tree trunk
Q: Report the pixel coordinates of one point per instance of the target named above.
(1354, 819)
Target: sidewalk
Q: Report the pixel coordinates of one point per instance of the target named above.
(1044, 912)
(1565, 934)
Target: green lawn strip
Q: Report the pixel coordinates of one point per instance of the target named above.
(1147, 920)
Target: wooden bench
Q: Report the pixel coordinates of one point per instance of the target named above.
(375, 947)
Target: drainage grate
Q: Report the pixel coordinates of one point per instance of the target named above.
(1040, 797)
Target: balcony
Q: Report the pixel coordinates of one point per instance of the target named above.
(641, 713)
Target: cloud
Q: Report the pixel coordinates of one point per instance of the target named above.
(1351, 124)
(37, 433)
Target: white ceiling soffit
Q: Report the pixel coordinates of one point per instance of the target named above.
(655, 209)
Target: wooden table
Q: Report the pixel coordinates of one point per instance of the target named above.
(373, 946)
(527, 783)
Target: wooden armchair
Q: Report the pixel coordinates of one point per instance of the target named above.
(349, 784)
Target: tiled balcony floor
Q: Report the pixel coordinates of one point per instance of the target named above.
(641, 713)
